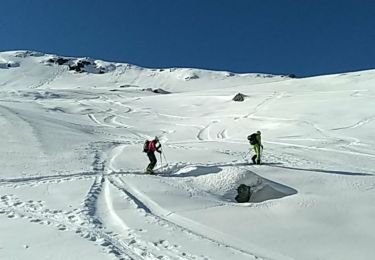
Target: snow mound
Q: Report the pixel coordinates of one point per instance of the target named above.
(221, 182)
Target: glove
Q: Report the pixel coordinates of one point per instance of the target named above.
(261, 146)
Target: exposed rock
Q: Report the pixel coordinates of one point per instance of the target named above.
(101, 70)
(83, 65)
(161, 91)
(24, 54)
(190, 77)
(80, 65)
(62, 61)
(8, 65)
(58, 60)
(129, 86)
(239, 97)
(158, 90)
(244, 193)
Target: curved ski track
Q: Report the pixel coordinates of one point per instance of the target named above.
(86, 223)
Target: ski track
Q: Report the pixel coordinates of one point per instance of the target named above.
(44, 179)
(118, 73)
(142, 248)
(166, 217)
(321, 149)
(358, 124)
(204, 133)
(96, 121)
(144, 213)
(267, 100)
(222, 134)
(83, 221)
(58, 72)
(112, 120)
(15, 118)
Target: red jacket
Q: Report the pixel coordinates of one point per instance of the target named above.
(154, 146)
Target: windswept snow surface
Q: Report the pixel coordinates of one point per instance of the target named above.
(72, 183)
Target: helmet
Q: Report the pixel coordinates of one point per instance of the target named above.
(156, 138)
(258, 132)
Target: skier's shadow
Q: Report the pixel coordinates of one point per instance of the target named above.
(321, 170)
(199, 171)
(250, 164)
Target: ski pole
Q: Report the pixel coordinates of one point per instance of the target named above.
(244, 157)
(161, 161)
(165, 159)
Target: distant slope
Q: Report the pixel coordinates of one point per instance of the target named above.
(89, 72)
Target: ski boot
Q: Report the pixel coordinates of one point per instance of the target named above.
(149, 171)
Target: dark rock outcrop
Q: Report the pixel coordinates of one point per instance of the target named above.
(8, 65)
(239, 97)
(158, 90)
(244, 193)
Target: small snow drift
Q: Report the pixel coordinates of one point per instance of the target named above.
(222, 182)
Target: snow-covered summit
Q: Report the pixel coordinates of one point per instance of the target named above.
(54, 66)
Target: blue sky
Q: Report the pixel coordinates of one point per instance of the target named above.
(303, 37)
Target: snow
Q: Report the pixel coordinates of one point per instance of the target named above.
(72, 183)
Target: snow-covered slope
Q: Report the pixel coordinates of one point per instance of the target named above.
(71, 182)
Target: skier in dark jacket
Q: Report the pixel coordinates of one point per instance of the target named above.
(153, 146)
(256, 141)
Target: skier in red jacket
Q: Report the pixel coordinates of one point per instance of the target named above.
(153, 146)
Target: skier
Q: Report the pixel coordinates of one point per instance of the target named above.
(256, 142)
(151, 147)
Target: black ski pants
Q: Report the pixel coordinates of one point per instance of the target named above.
(151, 156)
